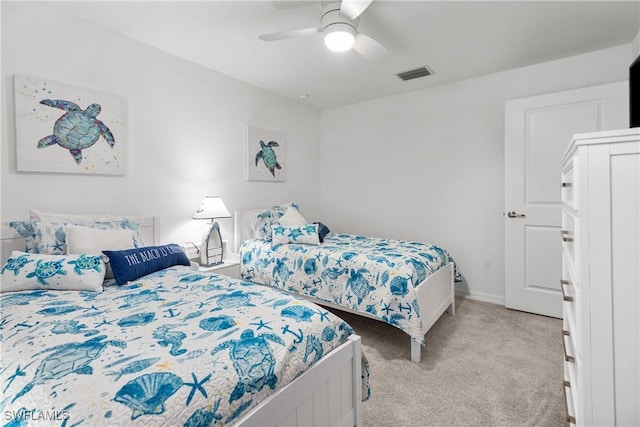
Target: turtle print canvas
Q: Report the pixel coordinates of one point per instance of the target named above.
(61, 128)
(266, 160)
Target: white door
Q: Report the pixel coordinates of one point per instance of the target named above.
(538, 130)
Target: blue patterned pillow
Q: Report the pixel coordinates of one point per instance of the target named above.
(131, 264)
(44, 237)
(25, 271)
(304, 234)
(261, 222)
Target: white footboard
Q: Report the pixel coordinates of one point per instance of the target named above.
(328, 394)
(435, 295)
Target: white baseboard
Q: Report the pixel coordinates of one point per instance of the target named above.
(481, 296)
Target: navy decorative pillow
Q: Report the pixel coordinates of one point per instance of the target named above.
(131, 264)
(323, 230)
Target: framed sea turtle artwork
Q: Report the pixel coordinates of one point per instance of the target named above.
(66, 129)
(266, 155)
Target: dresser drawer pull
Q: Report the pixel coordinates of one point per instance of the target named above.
(566, 333)
(570, 418)
(565, 297)
(568, 358)
(565, 236)
(566, 184)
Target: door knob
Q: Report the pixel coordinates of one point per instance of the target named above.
(512, 214)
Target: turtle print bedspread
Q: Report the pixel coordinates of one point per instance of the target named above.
(366, 274)
(176, 348)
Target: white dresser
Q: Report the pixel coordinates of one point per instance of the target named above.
(601, 279)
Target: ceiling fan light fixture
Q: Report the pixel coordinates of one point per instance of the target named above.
(339, 37)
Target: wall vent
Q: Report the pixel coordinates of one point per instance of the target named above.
(415, 73)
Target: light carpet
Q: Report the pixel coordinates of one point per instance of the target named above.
(484, 366)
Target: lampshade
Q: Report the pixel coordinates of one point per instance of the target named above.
(339, 37)
(211, 207)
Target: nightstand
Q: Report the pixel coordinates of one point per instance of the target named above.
(229, 267)
(230, 264)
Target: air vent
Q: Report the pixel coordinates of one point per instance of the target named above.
(414, 74)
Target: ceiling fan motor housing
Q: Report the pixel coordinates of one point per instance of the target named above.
(332, 20)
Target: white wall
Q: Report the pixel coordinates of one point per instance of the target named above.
(429, 165)
(186, 128)
(426, 165)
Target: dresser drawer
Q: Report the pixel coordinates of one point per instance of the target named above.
(569, 325)
(570, 393)
(569, 307)
(568, 346)
(568, 233)
(567, 286)
(569, 190)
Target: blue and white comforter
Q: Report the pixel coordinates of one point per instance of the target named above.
(176, 347)
(365, 274)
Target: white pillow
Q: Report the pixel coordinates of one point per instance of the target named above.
(292, 218)
(88, 240)
(25, 271)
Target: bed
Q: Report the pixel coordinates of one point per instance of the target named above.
(174, 347)
(406, 284)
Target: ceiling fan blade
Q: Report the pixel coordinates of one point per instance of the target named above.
(289, 34)
(370, 49)
(353, 8)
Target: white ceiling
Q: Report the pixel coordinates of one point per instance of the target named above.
(456, 39)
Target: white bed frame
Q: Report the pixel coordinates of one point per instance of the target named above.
(10, 240)
(327, 394)
(435, 294)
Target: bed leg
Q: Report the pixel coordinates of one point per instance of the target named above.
(452, 307)
(357, 379)
(416, 349)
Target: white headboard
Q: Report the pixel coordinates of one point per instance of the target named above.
(241, 229)
(10, 240)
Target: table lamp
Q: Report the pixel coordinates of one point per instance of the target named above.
(211, 250)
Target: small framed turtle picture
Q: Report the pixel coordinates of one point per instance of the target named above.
(266, 155)
(66, 129)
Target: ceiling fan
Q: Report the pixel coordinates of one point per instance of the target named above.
(339, 24)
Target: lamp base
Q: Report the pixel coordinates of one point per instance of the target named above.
(211, 250)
